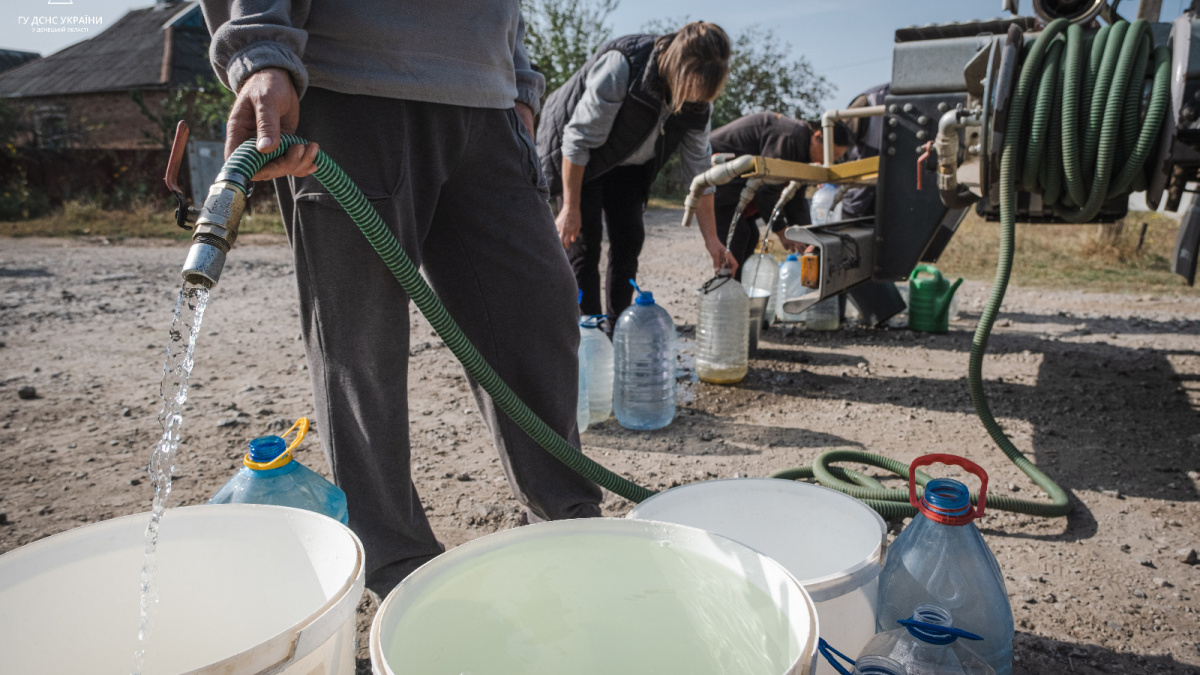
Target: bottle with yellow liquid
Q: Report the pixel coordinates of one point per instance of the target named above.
(722, 338)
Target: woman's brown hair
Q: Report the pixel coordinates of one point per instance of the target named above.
(693, 63)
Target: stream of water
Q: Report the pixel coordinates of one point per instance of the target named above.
(181, 345)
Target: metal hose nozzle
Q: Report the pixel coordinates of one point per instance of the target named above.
(216, 229)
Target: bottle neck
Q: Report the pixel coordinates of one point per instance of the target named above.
(271, 473)
(946, 499)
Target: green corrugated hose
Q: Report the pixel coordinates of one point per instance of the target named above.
(1061, 72)
(246, 160)
(1111, 93)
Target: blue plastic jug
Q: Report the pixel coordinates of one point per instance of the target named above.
(941, 559)
(644, 365)
(272, 476)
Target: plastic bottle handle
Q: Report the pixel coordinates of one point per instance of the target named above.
(928, 269)
(301, 429)
(946, 631)
(950, 460)
(831, 655)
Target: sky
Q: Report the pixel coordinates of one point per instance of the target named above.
(847, 41)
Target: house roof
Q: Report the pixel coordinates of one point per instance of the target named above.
(154, 48)
(11, 58)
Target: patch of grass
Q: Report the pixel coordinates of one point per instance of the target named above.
(143, 219)
(1073, 256)
(664, 203)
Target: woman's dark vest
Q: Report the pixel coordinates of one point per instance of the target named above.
(635, 120)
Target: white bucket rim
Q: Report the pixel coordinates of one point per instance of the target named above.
(821, 588)
(379, 665)
(295, 641)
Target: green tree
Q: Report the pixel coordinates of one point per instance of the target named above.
(17, 201)
(560, 35)
(763, 75)
(204, 106)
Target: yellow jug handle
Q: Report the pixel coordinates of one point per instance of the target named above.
(301, 429)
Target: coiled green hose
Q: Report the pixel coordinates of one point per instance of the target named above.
(1070, 164)
(246, 160)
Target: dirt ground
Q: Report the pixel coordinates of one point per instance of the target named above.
(1100, 389)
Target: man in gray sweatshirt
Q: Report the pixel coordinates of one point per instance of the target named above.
(428, 106)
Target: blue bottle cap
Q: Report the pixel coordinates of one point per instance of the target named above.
(643, 297)
(793, 257)
(266, 450)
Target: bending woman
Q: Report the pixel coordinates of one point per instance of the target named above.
(607, 131)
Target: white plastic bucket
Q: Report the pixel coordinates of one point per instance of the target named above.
(540, 621)
(243, 589)
(833, 543)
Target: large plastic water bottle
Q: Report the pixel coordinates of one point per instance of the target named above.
(760, 277)
(821, 208)
(722, 342)
(789, 288)
(583, 411)
(824, 315)
(595, 346)
(271, 475)
(941, 559)
(644, 365)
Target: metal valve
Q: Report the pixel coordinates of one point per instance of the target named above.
(183, 210)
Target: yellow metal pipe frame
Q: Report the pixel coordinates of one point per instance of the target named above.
(858, 172)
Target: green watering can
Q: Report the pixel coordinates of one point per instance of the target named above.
(929, 299)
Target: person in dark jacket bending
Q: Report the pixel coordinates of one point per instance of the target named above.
(604, 135)
(768, 134)
(868, 137)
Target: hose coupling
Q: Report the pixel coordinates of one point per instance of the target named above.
(216, 228)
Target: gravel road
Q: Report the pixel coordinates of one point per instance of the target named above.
(1101, 390)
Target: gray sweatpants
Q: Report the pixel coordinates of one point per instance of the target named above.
(461, 189)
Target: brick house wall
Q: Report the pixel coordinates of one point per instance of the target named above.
(103, 121)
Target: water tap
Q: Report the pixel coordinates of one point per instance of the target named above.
(217, 220)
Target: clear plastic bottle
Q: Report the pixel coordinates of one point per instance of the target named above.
(901, 320)
(597, 348)
(928, 644)
(760, 277)
(272, 476)
(644, 365)
(789, 288)
(722, 342)
(824, 315)
(583, 411)
(821, 208)
(942, 559)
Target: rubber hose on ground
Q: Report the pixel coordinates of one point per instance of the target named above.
(246, 160)
(1077, 116)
